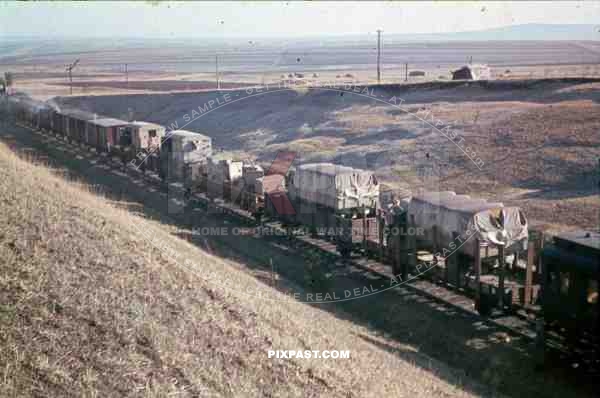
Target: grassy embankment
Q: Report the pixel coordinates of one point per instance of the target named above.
(89, 307)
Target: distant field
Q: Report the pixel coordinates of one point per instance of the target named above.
(300, 55)
(157, 85)
(39, 66)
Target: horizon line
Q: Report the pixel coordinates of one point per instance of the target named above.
(424, 35)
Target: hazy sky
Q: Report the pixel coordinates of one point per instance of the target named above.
(236, 19)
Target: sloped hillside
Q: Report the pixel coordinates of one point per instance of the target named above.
(89, 307)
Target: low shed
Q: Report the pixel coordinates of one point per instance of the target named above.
(416, 73)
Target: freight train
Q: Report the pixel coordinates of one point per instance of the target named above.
(478, 248)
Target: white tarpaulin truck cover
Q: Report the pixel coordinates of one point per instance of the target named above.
(491, 223)
(335, 186)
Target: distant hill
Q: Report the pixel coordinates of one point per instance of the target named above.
(512, 32)
(530, 32)
(515, 32)
(535, 32)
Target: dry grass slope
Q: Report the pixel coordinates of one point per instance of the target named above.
(89, 307)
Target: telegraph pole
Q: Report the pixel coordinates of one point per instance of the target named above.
(378, 56)
(70, 68)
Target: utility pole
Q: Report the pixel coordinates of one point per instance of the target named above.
(70, 68)
(406, 71)
(126, 76)
(378, 56)
(217, 71)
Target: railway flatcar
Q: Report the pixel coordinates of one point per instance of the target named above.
(333, 201)
(441, 214)
(179, 150)
(224, 178)
(252, 197)
(470, 239)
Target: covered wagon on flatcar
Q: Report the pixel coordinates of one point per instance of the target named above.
(442, 215)
(336, 202)
(470, 239)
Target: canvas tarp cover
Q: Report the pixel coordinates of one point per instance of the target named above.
(335, 186)
(491, 223)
